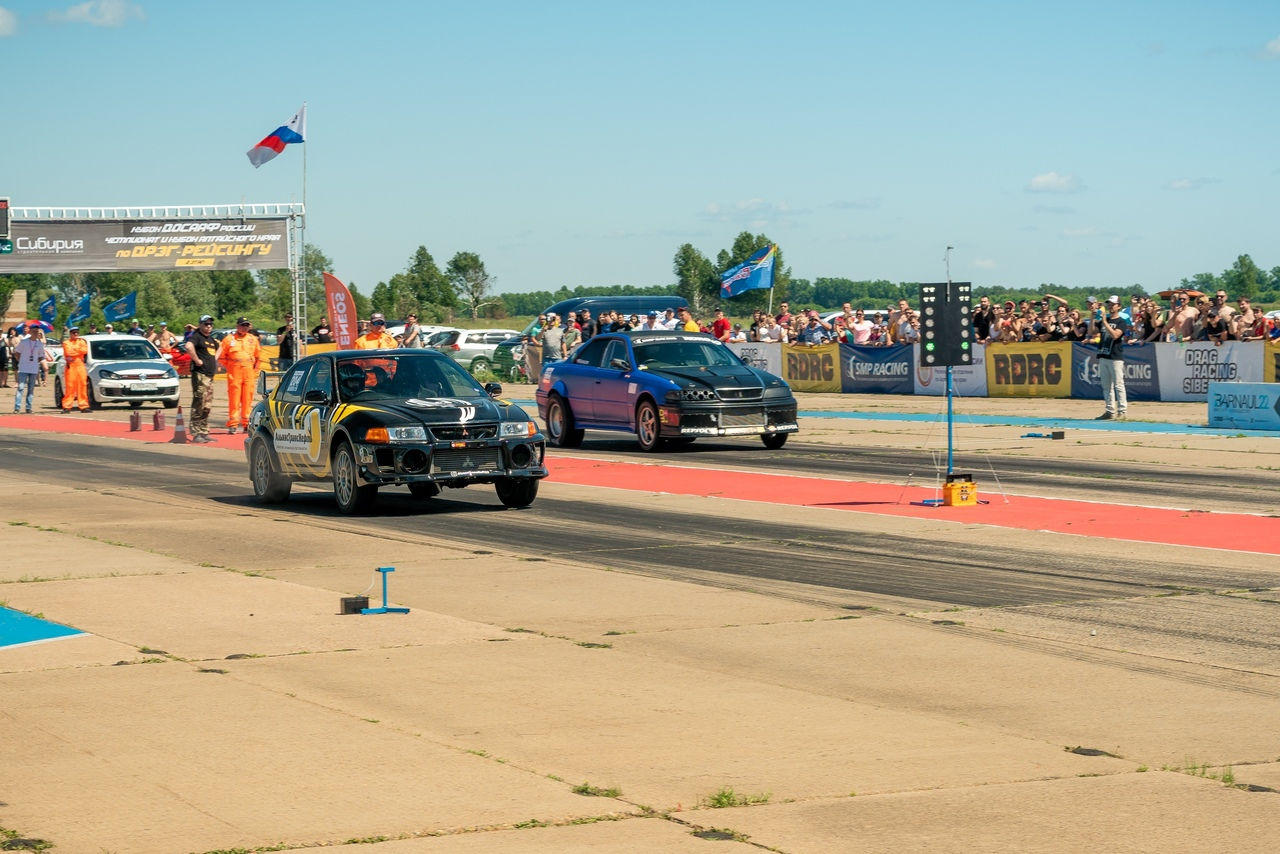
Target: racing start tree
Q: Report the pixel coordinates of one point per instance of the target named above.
(946, 324)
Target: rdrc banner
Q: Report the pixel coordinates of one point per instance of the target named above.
(966, 380)
(766, 356)
(1187, 369)
(811, 368)
(1141, 372)
(111, 246)
(872, 370)
(1029, 370)
(1271, 362)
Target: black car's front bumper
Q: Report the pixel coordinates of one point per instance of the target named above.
(450, 463)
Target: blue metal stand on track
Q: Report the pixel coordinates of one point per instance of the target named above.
(385, 570)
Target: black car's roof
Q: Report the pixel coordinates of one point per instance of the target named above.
(365, 354)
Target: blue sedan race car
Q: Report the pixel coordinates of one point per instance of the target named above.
(662, 386)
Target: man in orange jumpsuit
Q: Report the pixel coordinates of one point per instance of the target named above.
(241, 354)
(76, 379)
(377, 337)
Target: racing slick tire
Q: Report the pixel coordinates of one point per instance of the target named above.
(560, 428)
(516, 492)
(351, 497)
(268, 487)
(774, 441)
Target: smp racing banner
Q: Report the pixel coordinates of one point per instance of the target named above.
(1141, 372)
(1029, 369)
(112, 246)
(811, 368)
(876, 370)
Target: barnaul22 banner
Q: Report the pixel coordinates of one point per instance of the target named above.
(110, 246)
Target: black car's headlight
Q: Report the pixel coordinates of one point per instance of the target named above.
(387, 435)
(517, 429)
(692, 394)
(778, 392)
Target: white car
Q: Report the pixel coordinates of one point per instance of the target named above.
(425, 331)
(124, 369)
(471, 348)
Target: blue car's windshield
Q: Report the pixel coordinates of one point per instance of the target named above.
(389, 376)
(684, 352)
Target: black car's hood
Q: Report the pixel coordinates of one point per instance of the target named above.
(716, 376)
(446, 410)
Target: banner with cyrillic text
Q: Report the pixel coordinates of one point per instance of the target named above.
(111, 246)
(765, 356)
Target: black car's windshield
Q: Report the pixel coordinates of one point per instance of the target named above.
(124, 349)
(684, 352)
(401, 377)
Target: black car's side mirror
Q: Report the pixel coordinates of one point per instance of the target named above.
(493, 389)
(315, 396)
(620, 364)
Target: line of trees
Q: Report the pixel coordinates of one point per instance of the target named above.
(464, 287)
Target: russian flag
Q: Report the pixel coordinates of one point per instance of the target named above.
(295, 130)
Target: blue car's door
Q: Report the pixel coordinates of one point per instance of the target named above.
(580, 378)
(615, 387)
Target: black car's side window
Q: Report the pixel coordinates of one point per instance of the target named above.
(320, 379)
(592, 353)
(292, 384)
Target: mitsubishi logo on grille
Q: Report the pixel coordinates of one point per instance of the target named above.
(466, 434)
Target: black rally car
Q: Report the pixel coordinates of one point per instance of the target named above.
(364, 419)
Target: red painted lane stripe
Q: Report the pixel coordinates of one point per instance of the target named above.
(1089, 519)
(1112, 521)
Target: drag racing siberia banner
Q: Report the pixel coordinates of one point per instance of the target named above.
(1187, 369)
(112, 246)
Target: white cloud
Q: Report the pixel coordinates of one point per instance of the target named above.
(1073, 233)
(1052, 182)
(1272, 49)
(8, 22)
(100, 13)
(984, 264)
(756, 213)
(1183, 184)
(869, 203)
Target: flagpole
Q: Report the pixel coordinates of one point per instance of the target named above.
(300, 282)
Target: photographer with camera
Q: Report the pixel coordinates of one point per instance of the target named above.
(1111, 327)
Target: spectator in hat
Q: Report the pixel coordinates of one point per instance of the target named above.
(1111, 327)
(136, 329)
(650, 323)
(737, 335)
(32, 356)
(241, 354)
(164, 339)
(203, 350)
(1216, 327)
(669, 320)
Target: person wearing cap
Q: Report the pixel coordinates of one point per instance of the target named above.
(164, 339)
(650, 323)
(203, 350)
(241, 354)
(1111, 327)
(668, 320)
(737, 335)
(377, 338)
(552, 339)
(75, 381)
(109, 330)
(1216, 327)
(136, 329)
(32, 355)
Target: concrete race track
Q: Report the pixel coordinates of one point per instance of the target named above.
(1091, 659)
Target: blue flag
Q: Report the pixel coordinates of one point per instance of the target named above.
(48, 310)
(756, 272)
(125, 307)
(81, 313)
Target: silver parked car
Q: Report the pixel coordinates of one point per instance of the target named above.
(471, 348)
(124, 369)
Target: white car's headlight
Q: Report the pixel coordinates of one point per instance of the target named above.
(109, 375)
(416, 433)
(517, 428)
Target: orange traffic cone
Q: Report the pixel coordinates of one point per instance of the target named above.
(179, 429)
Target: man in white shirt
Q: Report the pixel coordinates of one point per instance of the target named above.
(32, 356)
(668, 321)
(651, 323)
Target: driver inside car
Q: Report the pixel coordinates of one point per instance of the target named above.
(350, 379)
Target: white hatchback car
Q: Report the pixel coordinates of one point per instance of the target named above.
(124, 369)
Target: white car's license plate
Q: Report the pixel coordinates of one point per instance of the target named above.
(142, 387)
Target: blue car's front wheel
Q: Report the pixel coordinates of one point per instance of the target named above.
(560, 427)
(647, 428)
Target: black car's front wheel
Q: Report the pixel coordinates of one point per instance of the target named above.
(347, 492)
(647, 428)
(560, 427)
(774, 441)
(268, 487)
(516, 492)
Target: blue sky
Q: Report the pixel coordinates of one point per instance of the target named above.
(580, 143)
